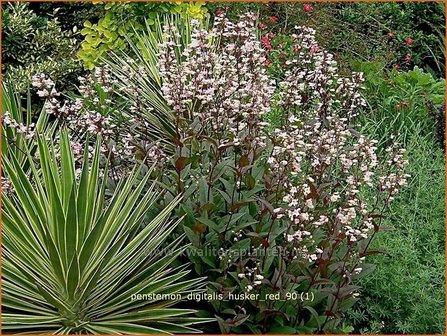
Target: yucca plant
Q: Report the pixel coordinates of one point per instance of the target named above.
(74, 259)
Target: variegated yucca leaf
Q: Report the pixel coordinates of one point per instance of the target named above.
(72, 258)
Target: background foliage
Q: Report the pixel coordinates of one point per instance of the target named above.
(360, 30)
(32, 44)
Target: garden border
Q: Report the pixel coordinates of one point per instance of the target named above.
(228, 1)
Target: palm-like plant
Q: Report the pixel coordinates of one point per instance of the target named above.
(72, 259)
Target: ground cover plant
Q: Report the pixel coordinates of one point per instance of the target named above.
(420, 233)
(223, 174)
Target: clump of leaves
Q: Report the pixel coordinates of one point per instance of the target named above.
(399, 101)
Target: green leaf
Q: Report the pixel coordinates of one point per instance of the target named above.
(282, 330)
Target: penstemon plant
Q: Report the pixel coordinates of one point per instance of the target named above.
(273, 213)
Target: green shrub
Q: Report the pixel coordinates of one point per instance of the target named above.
(33, 44)
(122, 19)
(70, 15)
(370, 24)
(399, 101)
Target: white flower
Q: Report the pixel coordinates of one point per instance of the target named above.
(334, 197)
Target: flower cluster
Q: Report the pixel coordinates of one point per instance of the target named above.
(408, 44)
(27, 131)
(251, 276)
(44, 85)
(226, 88)
(312, 84)
(90, 116)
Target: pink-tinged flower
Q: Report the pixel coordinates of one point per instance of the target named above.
(266, 43)
(220, 12)
(307, 8)
(262, 26)
(407, 58)
(409, 41)
(267, 62)
(396, 67)
(390, 34)
(273, 19)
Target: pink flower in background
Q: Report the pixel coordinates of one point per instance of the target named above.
(307, 8)
(266, 43)
(262, 25)
(273, 19)
(409, 41)
(407, 58)
(390, 34)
